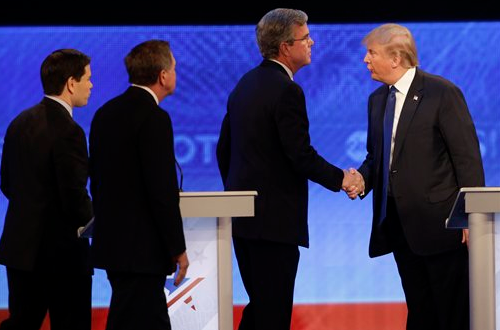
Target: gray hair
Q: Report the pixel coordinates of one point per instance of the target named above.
(146, 60)
(276, 27)
(397, 41)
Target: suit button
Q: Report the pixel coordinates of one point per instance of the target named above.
(394, 171)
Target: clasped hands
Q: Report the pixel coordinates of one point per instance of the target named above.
(353, 183)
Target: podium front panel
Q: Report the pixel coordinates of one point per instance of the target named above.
(205, 300)
(194, 304)
(478, 209)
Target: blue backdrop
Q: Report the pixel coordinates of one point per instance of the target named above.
(210, 60)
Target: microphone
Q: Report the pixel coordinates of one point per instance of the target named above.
(180, 175)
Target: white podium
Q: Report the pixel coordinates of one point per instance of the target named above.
(479, 210)
(220, 206)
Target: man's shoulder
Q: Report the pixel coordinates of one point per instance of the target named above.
(135, 106)
(270, 77)
(45, 119)
(28, 115)
(132, 98)
(268, 68)
(435, 81)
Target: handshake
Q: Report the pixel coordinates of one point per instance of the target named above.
(353, 183)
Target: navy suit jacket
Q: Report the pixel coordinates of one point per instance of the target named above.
(264, 145)
(436, 153)
(44, 175)
(133, 181)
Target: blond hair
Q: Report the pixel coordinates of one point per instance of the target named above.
(397, 40)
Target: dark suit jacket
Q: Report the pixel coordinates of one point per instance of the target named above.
(44, 176)
(436, 152)
(264, 145)
(133, 180)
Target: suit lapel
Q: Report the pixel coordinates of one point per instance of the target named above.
(410, 105)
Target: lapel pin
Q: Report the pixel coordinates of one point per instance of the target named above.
(415, 98)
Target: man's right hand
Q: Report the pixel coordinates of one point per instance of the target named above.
(183, 263)
(353, 183)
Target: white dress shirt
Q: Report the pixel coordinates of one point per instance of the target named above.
(402, 85)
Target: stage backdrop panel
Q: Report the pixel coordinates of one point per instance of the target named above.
(210, 60)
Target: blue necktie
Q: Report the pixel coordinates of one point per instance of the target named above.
(388, 123)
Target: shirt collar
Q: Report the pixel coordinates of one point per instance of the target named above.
(404, 83)
(61, 102)
(290, 74)
(150, 92)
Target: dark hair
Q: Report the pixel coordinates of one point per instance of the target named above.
(61, 65)
(146, 60)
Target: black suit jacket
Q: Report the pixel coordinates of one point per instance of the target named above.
(264, 145)
(436, 152)
(133, 180)
(44, 176)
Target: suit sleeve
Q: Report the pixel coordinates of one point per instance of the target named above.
(4, 175)
(160, 177)
(224, 149)
(293, 127)
(71, 167)
(459, 133)
(367, 167)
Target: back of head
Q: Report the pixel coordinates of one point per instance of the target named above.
(276, 27)
(61, 65)
(397, 41)
(146, 60)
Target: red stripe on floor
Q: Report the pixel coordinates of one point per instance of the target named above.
(356, 316)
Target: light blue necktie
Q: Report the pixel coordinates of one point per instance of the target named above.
(388, 123)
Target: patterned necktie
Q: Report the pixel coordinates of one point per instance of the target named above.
(388, 123)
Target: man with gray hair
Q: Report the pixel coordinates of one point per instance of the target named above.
(138, 231)
(422, 148)
(264, 145)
